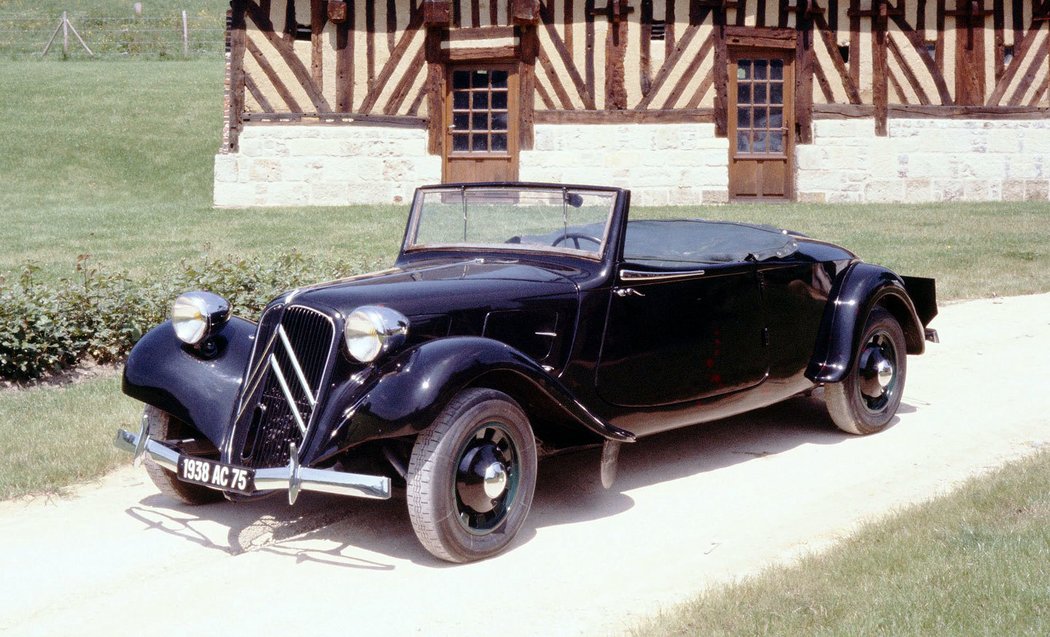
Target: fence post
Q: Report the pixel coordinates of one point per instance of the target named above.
(185, 36)
(65, 35)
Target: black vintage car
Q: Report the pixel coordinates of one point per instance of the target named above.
(519, 320)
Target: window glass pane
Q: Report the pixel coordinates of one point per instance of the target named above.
(460, 142)
(461, 121)
(759, 145)
(479, 121)
(499, 99)
(460, 79)
(760, 93)
(743, 142)
(743, 94)
(759, 118)
(776, 69)
(776, 93)
(481, 100)
(776, 142)
(461, 100)
(499, 121)
(743, 118)
(743, 70)
(760, 69)
(499, 141)
(479, 79)
(479, 142)
(776, 118)
(499, 79)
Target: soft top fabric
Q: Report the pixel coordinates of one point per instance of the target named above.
(698, 241)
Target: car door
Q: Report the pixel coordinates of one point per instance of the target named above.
(673, 337)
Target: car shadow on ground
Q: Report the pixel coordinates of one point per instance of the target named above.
(337, 530)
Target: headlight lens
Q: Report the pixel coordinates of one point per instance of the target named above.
(372, 330)
(195, 314)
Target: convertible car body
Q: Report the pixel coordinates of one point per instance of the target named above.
(519, 320)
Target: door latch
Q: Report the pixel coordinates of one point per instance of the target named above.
(622, 292)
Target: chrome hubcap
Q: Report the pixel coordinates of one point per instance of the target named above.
(877, 372)
(495, 480)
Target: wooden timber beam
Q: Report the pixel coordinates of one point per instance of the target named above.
(525, 11)
(880, 13)
(437, 13)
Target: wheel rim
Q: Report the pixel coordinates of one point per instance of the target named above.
(877, 372)
(487, 476)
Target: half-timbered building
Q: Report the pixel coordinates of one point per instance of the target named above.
(683, 101)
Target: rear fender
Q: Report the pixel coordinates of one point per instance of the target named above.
(407, 393)
(197, 386)
(862, 287)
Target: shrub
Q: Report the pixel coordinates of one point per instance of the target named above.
(100, 315)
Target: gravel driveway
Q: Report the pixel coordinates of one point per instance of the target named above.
(691, 508)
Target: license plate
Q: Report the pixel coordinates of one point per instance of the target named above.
(216, 475)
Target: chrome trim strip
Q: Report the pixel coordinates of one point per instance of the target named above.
(295, 366)
(287, 393)
(640, 275)
(278, 478)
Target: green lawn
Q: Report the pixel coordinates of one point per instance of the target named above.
(52, 437)
(971, 563)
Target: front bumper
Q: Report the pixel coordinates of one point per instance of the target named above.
(292, 478)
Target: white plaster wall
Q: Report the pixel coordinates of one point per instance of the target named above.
(925, 160)
(662, 164)
(323, 165)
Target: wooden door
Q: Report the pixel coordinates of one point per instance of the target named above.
(761, 125)
(481, 123)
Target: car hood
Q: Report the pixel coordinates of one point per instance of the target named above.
(528, 306)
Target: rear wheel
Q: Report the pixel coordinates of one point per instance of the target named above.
(867, 399)
(162, 426)
(471, 477)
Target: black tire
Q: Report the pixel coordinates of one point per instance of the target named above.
(162, 426)
(472, 476)
(867, 399)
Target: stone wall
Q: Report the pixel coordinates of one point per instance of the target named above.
(323, 165)
(925, 160)
(662, 164)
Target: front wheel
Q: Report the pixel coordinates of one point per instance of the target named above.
(471, 477)
(867, 399)
(163, 426)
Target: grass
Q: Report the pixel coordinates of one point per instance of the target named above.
(970, 563)
(52, 437)
(125, 176)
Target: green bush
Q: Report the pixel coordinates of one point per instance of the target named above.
(100, 315)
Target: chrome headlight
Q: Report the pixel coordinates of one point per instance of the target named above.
(372, 330)
(195, 314)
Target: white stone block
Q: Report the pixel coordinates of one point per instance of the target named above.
(233, 195)
(226, 168)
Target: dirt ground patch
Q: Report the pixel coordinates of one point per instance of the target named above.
(691, 509)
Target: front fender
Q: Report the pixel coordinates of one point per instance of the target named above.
(861, 288)
(201, 391)
(407, 393)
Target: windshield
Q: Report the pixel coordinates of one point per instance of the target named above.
(553, 219)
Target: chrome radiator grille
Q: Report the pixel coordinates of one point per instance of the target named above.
(284, 389)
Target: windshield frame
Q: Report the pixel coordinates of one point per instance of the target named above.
(409, 246)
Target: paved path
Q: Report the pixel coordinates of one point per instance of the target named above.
(691, 509)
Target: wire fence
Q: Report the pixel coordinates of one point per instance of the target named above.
(176, 35)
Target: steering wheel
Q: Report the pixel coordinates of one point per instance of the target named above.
(576, 237)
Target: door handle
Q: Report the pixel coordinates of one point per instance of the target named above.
(624, 292)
